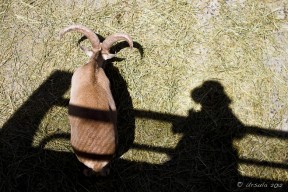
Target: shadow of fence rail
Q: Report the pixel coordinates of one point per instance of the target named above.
(248, 130)
(206, 163)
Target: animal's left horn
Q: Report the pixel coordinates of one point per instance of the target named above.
(85, 31)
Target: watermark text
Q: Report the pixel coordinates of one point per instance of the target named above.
(274, 185)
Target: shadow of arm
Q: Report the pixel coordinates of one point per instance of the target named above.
(264, 163)
(266, 132)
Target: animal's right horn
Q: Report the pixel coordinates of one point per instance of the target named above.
(88, 33)
(110, 40)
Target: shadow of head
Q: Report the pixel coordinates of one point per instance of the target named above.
(211, 95)
(215, 114)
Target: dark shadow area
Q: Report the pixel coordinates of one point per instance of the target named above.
(206, 146)
(203, 160)
(122, 98)
(21, 127)
(124, 105)
(23, 167)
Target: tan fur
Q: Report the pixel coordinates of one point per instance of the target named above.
(92, 110)
(92, 90)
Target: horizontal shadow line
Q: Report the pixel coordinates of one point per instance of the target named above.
(152, 148)
(264, 163)
(89, 113)
(94, 156)
(105, 116)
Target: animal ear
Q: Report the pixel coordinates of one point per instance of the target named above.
(88, 52)
(108, 56)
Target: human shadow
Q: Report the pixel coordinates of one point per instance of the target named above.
(206, 153)
(204, 158)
